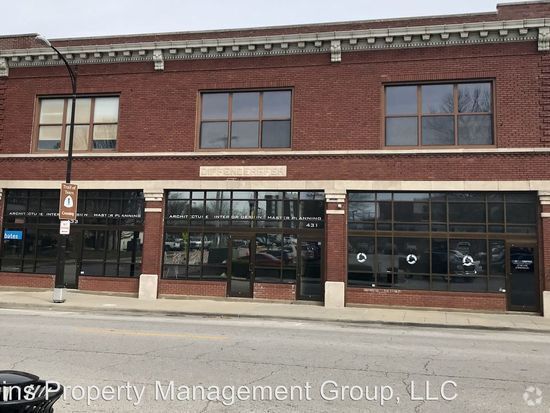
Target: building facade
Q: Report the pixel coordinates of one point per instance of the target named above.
(398, 162)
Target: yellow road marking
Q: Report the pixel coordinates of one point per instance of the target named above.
(148, 333)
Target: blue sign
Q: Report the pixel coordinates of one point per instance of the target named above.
(11, 234)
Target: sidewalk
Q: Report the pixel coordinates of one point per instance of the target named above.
(79, 301)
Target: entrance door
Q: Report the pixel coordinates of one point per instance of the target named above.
(242, 268)
(73, 254)
(310, 271)
(523, 280)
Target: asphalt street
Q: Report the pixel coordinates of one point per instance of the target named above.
(129, 363)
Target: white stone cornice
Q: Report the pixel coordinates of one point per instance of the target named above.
(335, 43)
(158, 58)
(544, 39)
(4, 68)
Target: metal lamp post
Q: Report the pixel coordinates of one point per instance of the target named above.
(59, 291)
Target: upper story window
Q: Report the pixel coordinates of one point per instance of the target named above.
(96, 124)
(439, 114)
(258, 119)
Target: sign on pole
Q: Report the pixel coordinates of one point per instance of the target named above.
(68, 202)
(65, 227)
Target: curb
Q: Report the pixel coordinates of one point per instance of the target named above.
(371, 323)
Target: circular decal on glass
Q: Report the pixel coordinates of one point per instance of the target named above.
(412, 259)
(361, 257)
(467, 260)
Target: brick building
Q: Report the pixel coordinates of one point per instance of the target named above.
(394, 162)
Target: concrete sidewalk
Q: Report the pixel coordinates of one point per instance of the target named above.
(79, 301)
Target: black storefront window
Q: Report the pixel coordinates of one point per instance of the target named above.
(199, 225)
(108, 236)
(435, 241)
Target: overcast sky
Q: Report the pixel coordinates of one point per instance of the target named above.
(74, 18)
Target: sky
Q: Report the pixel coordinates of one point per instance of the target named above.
(74, 18)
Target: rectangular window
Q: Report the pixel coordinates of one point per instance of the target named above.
(451, 241)
(108, 236)
(452, 114)
(245, 120)
(96, 123)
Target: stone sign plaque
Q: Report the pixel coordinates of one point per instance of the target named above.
(242, 171)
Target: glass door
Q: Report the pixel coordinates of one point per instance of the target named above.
(73, 258)
(523, 280)
(242, 267)
(310, 277)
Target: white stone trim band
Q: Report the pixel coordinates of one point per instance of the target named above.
(335, 212)
(153, 209)
(208, 154)
(153, 196)
(329, 186)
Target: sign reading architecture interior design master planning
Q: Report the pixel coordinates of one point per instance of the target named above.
(242, 171)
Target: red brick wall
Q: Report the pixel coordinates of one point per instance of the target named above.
(108, 284)
(269, 291)
(152, 239)
(426, 167)
(15, 279)
(523, 11)
(336, 106)
(434, 299)
(200, 288)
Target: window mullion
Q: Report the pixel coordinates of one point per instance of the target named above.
(261, 119)
(419, 114)
(91, 126)
(455, 112)
(229, 119)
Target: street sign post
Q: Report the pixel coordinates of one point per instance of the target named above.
(68, 202)
(65, 227)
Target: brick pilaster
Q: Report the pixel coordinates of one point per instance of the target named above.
(336, 237)
(153, 233)
(544, 93)
(3, 87)
(544, 198)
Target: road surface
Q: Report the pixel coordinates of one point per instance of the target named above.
(131, 363)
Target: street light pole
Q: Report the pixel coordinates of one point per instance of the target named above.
(59, 291)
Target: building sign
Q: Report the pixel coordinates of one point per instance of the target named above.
(65, 227)
(242, 171)
(68, 202)
(13, 234)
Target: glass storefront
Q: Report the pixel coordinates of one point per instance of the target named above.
(436, 241)
(244, 237)
(106, 241)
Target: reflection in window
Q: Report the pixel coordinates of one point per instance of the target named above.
(115, 251)
(439, 114)
(263, 209)
(458, 244)
(245, 120)
(96, 123)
